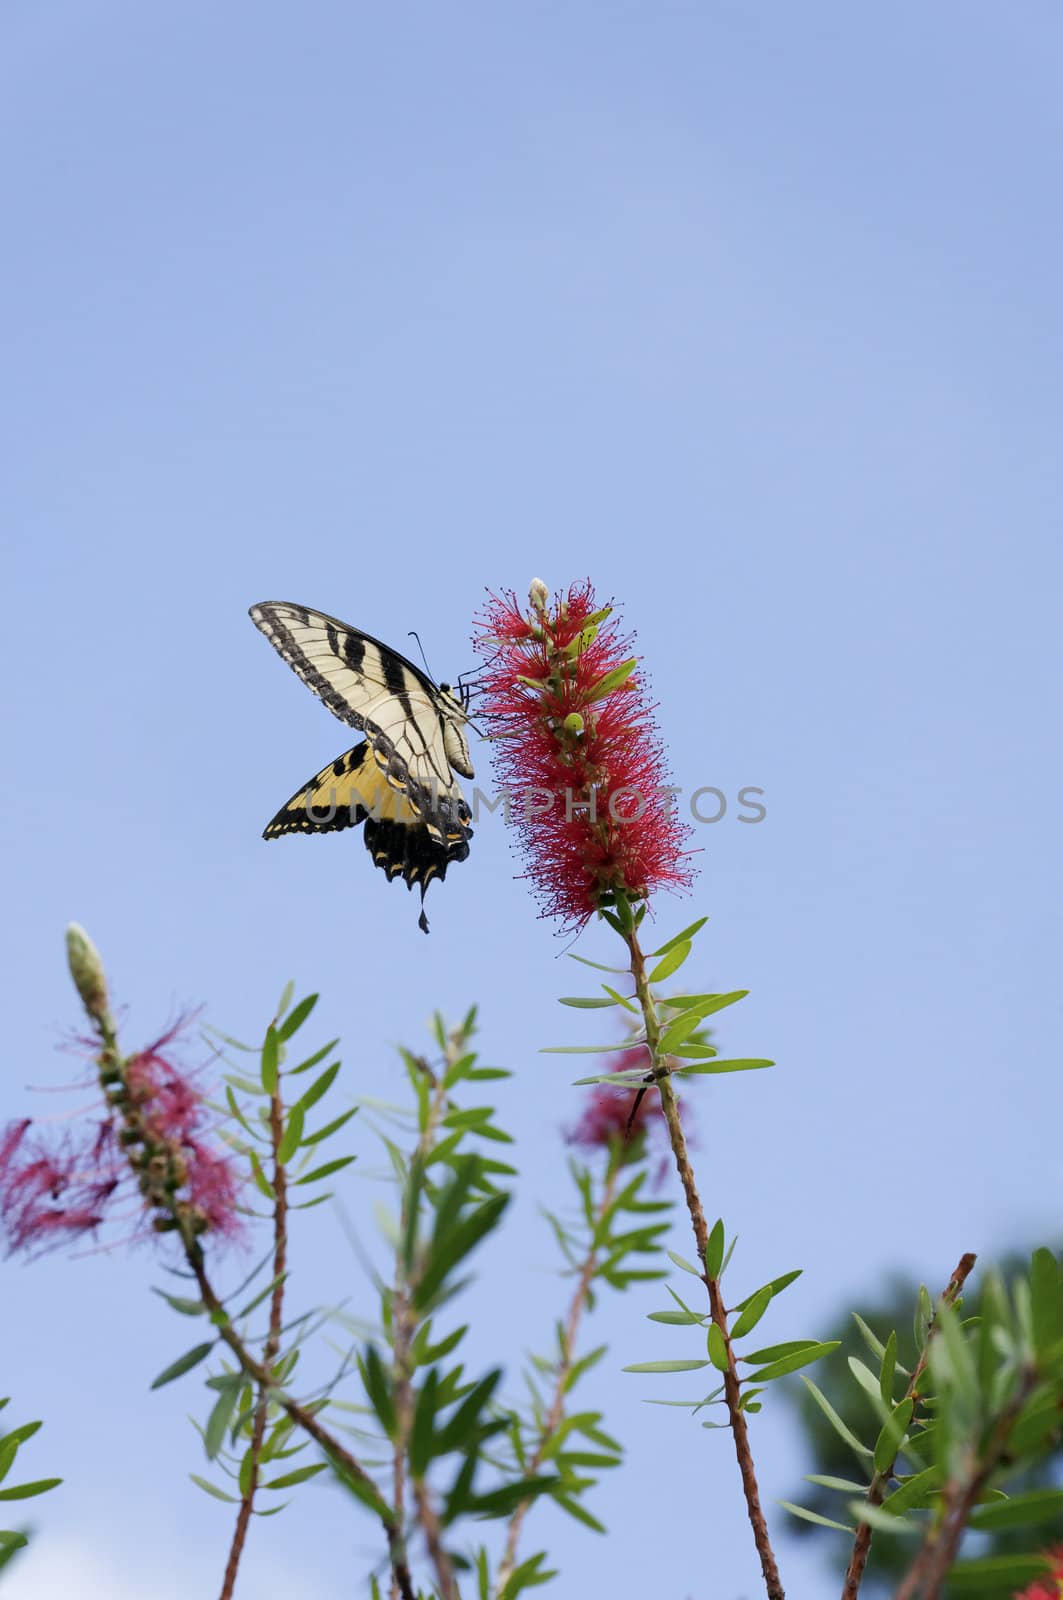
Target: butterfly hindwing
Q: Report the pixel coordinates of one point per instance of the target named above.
(399, 782)
(351, 790)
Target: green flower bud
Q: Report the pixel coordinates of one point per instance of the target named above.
(538, 594)
(573, 723)
(86, 969)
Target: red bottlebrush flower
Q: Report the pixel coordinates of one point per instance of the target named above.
(578, 753)
(149, 1148)
(1050, 1587)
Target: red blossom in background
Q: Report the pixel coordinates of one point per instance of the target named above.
(1050, 1587)
(578, 753)
(607, 1111)
(146, 1157)
(607, 1120)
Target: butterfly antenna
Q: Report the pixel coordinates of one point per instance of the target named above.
(413, 634)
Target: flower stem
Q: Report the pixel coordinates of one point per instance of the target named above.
(555, 1414)
(302, 1416)
(731, 1382)
(927, 1574)
(404, 1330)
(271, 1347)
(876, 1493)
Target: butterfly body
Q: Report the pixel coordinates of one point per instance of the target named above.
(400, 780)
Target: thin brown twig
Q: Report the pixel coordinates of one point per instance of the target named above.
(271, 1347)
(876, 1493)
(303, 1417)
(556, 1411)
(428, 1520)
(731, 1383)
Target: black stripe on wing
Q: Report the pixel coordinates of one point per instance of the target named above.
(351, 791)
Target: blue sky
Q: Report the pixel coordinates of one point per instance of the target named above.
(751, 314)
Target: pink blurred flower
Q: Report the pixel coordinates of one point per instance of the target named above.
(147, 1157)
(607, 1112)
(610, 1122)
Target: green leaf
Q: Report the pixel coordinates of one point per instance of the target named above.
(210, 1488)
(187, 1308)
(718, 1348)
(378, 1388)
(628, 1078)
(580, 1513)
(422, 1433)
(777, 1285)
(814, 1516)
(671, 961)
(714, 1249)
(678, 1318)
(27, 1491)
(262, 1183)
(620, 972)
(500, 1502)
(590, 1049)
(326, 1171)
(719, 1066)
(183, 1364)
(869, 1383)
(583, 1004)
(1019, 1511)
(458, 1429)
(363, 1489)
(1046, 1299)
(270, 1060)
(330, 1128)
(893, 1430)
(457, 1243)
(221, 1415)
(835, 1421)
(610, 681)
(288, 1480)
(317, 1057)
(775, 1352)
(682, 1026)
(665, 1366)
(294, 1022)
(8, 1452)
(886, 1522)
(845, 1485)
(680, 938)
(681, 1261)
(751, 1315)
(293, 1135)
(285, 1000)
(627, 1001)
(995, 1575)
(916, 1491)
(888, 1370)
(800, 1358)
(18, 1436)
(319, 1087)
(874, 1344)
